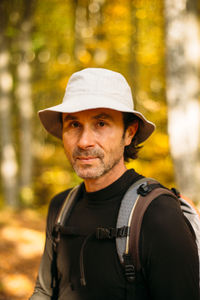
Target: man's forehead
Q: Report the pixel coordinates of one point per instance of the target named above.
(99, 113)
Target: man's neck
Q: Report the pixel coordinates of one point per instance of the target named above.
(93, 185)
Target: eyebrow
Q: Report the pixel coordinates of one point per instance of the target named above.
(69, 118)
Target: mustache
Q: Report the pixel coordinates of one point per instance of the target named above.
(87, 153)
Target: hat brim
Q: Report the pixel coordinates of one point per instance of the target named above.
(51, 117)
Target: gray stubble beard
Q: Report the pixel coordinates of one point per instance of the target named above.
(97, 172)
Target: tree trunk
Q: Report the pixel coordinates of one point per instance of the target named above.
(133, 65)
(183, 89)
(88, 31)
(81, 26)
(9, 165)
(24, 97)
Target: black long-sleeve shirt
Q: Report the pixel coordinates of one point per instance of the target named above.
(167, 248)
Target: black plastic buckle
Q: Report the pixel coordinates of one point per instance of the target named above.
(123, 231)
(130, 273)
(129, 268)
(56, 233)
(103, 233)
(176, 192)
(144, 189)
(110, 233)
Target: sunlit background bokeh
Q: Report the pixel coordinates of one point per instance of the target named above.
(154, 44)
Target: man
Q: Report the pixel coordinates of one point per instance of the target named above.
(100, 131)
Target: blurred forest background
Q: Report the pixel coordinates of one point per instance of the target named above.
(154, 44)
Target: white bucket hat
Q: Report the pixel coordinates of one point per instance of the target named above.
(94, 88)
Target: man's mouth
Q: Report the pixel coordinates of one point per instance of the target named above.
(86, 158)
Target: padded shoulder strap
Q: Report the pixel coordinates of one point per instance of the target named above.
(68, 205)
(190, 203)
(137, 217)
(124, 216)
(193, 215)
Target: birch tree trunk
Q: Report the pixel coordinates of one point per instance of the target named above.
(24, 97)
(133, 65)
(9, 166)
(88, 19)
(183, 90)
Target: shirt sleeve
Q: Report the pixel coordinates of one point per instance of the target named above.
(43, 289)
(168, 252)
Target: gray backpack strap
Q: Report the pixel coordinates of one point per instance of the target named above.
(193, 215)
(125, 215)
(131, 214)
(68, 205)
(61, 217)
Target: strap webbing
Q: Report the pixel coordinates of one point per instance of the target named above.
(110, 233)
(101, 233)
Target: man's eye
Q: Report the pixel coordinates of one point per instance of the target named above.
(74, 125)
(101, 124)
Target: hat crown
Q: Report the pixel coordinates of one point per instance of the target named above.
(94, 88)
(99, 82)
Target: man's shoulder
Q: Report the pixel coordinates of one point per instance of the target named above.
(164, 204)
(164, 214)
(58, 199)
(55, 206)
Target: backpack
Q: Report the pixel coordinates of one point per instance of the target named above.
(127, 232)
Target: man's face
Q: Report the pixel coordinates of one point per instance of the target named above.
(94, 142)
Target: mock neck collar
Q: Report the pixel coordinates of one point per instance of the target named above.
(117, 188)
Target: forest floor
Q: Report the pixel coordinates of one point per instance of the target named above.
(22, 241)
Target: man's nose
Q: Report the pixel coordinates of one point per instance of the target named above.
(86, 138)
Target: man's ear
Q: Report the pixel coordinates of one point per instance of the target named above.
(130, 132)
